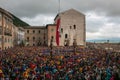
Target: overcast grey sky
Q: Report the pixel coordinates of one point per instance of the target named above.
(102, 16)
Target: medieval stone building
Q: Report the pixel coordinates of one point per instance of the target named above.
(72, 28)
(35, 36)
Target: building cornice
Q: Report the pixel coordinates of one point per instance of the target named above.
(6, 13)
(35, 27)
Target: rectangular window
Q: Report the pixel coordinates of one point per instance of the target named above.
(33, 38)
(27, 31)
(33, 31)
(39, 31)
(52, 30)
(74, 26)
(61, 30)
(33, 44)
(27, 38)
(52, 37)
(66, 35)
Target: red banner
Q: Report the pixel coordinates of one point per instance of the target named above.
(57, 32)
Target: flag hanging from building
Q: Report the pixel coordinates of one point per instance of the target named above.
(57, 32)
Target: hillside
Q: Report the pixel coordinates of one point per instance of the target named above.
(18, 22)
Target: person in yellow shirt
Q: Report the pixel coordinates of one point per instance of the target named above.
(26, 74)
(1, 74)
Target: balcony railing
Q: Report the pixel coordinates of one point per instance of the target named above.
(7, 33)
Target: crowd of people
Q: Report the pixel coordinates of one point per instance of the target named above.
(36, 63)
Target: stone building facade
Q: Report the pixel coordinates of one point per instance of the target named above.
(51, 34)
(35, 36)
(72, 27)
(10, 34)
(15, 35)
(20, 35)
(6, 28)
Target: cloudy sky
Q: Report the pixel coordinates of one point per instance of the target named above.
(102, 16)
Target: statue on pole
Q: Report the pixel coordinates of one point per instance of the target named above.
(74, 45)
(51, 47)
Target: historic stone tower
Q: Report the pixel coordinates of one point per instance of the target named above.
(72, 28)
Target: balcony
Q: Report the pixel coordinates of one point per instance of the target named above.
(7, 33)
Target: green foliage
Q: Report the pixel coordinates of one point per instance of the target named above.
(17, 22)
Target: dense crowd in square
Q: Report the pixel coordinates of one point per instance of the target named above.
(35, 63)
